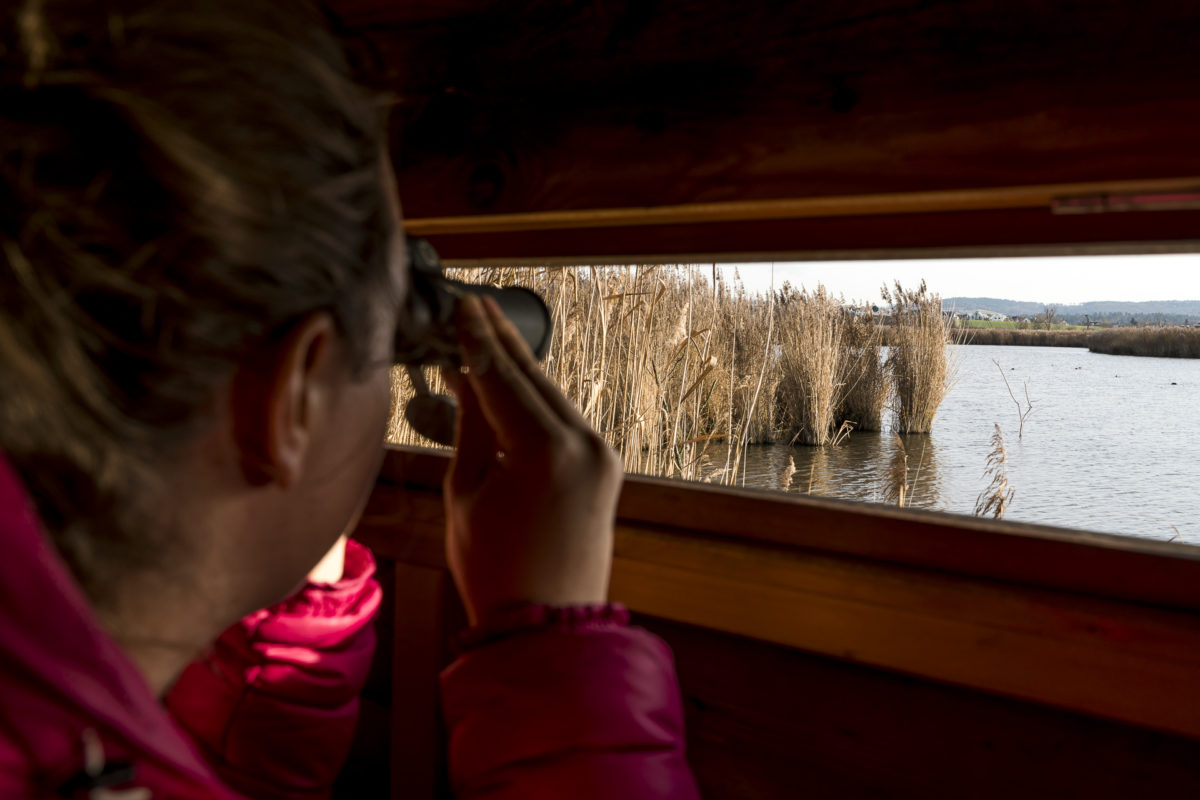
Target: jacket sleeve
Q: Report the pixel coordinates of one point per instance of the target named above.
(566, 703)
(274, 703)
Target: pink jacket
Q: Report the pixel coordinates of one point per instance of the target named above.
(543, 704)
(565, 703)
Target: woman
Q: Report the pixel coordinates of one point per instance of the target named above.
(202, 275)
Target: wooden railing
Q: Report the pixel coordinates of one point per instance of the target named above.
(851, 649)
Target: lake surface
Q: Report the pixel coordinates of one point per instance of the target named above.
(1111, 445)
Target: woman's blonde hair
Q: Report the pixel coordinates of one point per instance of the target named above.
(179, 182)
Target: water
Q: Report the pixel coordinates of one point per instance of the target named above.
(1111, 444)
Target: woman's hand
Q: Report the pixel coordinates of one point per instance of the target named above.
(531, 494)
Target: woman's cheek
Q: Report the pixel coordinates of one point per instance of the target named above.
(374, 413)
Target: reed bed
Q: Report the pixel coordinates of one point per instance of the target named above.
(1173, 342)
(662, 362)
(1164, 342)
(813, 363)
(866, 384)
(917, 359)
(1033, 338)
(680, 369)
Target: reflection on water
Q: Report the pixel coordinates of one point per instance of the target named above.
(1110, 445)
(855, 470)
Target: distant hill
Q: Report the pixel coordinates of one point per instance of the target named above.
(1172, 311)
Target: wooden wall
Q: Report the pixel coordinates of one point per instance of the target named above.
(846, 650)
(705, 110)
(771, 722)
(854, 651)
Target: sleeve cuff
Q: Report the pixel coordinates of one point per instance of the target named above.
(528, 617)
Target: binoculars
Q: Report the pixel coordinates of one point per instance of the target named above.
(426, 335)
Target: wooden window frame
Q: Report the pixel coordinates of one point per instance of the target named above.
(1097, 624)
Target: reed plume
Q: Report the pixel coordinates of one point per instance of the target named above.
(995, 499)
(785, 479)
(896, 480)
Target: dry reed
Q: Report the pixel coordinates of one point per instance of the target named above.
(917, 359)
(996, 497)
(865, 382)
(680, 373)
(812, 365)
(785, 478)
(895, 488)
(635, 348)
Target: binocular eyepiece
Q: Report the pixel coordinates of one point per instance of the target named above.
(426, 335)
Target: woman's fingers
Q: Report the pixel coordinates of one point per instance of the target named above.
(540, 528)
(518, 350)
(513, 406)
(475, 444)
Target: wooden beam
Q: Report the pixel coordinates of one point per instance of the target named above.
(1008, 232)
(985, 199)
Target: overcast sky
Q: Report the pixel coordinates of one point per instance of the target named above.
(1063, 281)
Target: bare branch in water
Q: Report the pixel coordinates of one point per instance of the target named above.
(1020, 414)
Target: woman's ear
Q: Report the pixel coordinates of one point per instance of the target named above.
(279, 399)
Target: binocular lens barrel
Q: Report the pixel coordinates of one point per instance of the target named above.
(524, 308)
